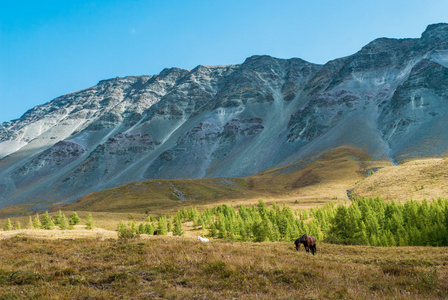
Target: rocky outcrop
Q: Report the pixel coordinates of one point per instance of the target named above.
(389, 98)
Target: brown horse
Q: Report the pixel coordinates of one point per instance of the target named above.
(308, 241)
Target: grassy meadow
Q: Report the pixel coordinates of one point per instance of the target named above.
(95, 264)
(166, 267)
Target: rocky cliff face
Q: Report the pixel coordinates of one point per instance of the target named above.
(390, 98)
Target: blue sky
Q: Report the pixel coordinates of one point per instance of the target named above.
(50, 48)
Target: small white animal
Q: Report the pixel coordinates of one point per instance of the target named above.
(205, 240)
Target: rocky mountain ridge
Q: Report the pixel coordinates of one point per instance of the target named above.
(389, 98)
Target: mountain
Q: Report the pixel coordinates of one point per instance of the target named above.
(390, 98)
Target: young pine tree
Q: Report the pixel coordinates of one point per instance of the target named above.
(149, 228)
(133, 225)
(89, 222)
(212, 232)
(36, 222)
(62, 222)
(141, 228)
(18, 226)
(221, 226)
(8, 225)
(162, 226)
(30, 223)
(178, 227)
(203, 226)
(47, 221)
(58, 217)
(169, 226)
(74, 219)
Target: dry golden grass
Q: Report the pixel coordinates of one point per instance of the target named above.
(417, 180)
(106, 220)
(78, 232)
(306, 184)
(184, 268)
(15, 210)
(93, 264)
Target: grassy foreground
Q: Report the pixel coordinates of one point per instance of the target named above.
(184, 268)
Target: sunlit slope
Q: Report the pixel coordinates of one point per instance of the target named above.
(309, 183)
(417, 180)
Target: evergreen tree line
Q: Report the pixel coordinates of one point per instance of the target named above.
(163, 225)
(258, 223)
(366, 221)
(379, 223)
(48, 222)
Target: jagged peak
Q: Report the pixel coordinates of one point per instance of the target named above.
(439, 27)
(211, 67)
(171, 71)
(260, 58)
(435, 33)
(253, 62)
(387, 44)
(125, 79)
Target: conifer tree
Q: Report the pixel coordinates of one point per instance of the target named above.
(212, 232)
(169, 226)
(262, 208)
(133, 225)
(74, 219)
(36, 222)
(384, 241)
(221, 226)
(47, 221)
(294, 232)
(275, 233)
(18, 226)
(149, 228)
(8, 225)
(373, 240)
(58, 218)
(178, 227)
(391, 239)
(141, 228)
(30, 223)
(282, 222)
(341, 227)
(361, 236)
(193, 216)
(268, 228)
(62, 222)
(259, 232)
(304, 215)
(203, 226)
(162, 227)
(89, 222)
